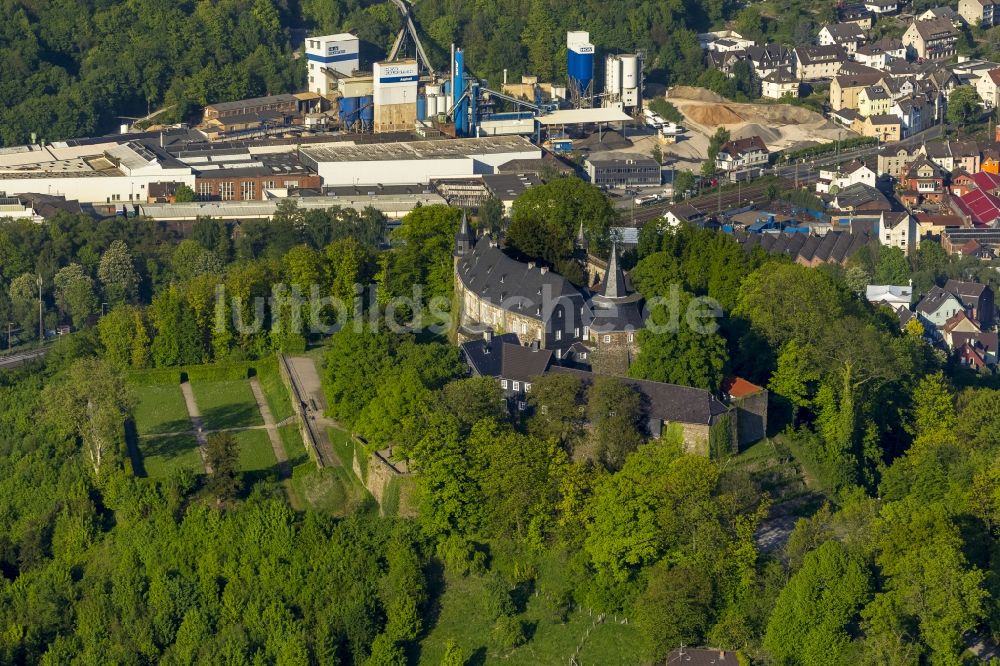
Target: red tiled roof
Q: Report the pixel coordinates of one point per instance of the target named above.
(738, 387)
(979, 206)
(986, 181)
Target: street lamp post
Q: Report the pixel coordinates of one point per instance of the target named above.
(104, 307)
(10, 325)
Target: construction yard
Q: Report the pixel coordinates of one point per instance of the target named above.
(781, 126)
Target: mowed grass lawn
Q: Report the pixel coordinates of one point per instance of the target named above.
(256, 454)
(162, 456)
(227, 404)
(277, 395)
(332, 489)
(161, 409)
(465, 619)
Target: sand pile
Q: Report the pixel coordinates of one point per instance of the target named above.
(779, 125)
(712, 114)
(770, 135)
(694, 94)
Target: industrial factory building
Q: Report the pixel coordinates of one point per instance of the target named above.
(414, 162)
(624, 171)
(330, 58)
(91, 172)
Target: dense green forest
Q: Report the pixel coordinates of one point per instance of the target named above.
(895, 557)
(77, 68)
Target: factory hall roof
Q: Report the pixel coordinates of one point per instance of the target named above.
(583, 116)
(418, 150)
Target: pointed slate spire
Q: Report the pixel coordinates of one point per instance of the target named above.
(465, 240)
(614, 281)
(581, 239)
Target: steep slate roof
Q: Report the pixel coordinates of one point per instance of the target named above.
(667, 402)
(834, 246)
(615, 306)
(986, 340)
(739, 146)
(967, 292)
(934, 299)
(495, 277)
(844, 32)
(809, 55)
(504, 357)
(935, 28)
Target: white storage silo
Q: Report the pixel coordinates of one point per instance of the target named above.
(613, 77)
(630, 71)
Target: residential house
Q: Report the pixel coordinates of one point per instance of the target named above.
(845, 117)
(872, 56)
(855, 13)
(987, 86)
(709, 41)
(929, 224)
(682, 213)
(933, 39)
(923, 181)
(984, 13)
(937, 307)
(974, 357)
(742, 157)
(892, 160)
(873, 101)
(893, 47)
(956, 325)
(813, 63)
(895, 297)
(960, 183)
(885, 128)
(845, 175)
(779, 83)
(882, 7)
(915, 113)
(898, 229)
(859, 198)
(991, 161)
(844, 88)
(977, 250)
(770, 58)
(943, 80)
(953, 154)
(976, 297)
(945, 13)
(808, 250)
(847, 35)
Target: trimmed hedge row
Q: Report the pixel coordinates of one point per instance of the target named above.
(214, 372)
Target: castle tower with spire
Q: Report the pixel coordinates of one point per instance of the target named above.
(617, 317)
(465, 239)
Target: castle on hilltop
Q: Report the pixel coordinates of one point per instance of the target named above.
(593, 327)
